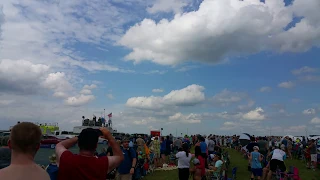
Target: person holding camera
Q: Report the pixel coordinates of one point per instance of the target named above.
(86, 165)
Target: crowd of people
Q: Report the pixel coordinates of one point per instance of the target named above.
(128, 158)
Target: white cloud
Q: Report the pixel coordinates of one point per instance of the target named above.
(209, 34)
(180, 118)
(188, 96)
(310, 111)
(296, 129)
(85, 91)
(57, 82)
(287, 85)
(145, 121)
(110, 96)
(92, 86)
(257, 114)
(246, 106)
(227, 97)
(168, 6)
(315, 120)
(5, 102)
(303, 70)
(157, 90)
(79, 100)
(265, 89)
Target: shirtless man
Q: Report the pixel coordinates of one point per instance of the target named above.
(24, 143)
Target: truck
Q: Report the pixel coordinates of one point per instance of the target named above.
(154, 133)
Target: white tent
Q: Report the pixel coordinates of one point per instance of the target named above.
(244, 136)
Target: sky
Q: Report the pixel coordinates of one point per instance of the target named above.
(187, 66)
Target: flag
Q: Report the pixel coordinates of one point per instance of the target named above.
(110, 115)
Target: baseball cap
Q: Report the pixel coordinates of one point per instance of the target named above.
(255, 148)
(212, 156)
(196, 161)
(283, 147)
(125, 140)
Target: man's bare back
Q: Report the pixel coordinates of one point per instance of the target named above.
(22, 172)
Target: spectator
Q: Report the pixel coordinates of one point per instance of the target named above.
(184, 158)
(196, 170)
(24, 143)
(211, 145)
(313, 154)
(255, 157)
(155, 147)
(127, 167)
(177, 144)
(85, 165)
(277, 160)
(140, 144)
(199, 156)
(263, 146)
(252, 144)
(52, 169)
(5, 157)
(163, 150)
(218, 164)
(168, 146)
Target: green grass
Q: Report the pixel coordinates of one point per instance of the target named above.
(242, 174)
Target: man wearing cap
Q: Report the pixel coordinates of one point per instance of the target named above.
(196, 170)
(278, 156)
(140, 143)
(127, 166)
(86, 165)
(218, 164)
(255, 159)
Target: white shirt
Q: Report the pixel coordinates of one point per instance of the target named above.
(183, 160)
(278, 154)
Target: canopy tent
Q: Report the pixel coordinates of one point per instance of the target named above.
(244, 139)
(245, 136)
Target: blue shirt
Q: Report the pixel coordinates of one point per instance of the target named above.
(203, 147)
(255, 163)
(52, 170)
(285, 142)
(163, 145)
(126, 164)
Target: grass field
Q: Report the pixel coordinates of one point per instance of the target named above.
(242, 174)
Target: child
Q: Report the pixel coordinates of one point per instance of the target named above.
(255, 159)
(52, 168)
(196, 170)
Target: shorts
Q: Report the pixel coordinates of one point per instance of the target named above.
(256, 172)
(275, 163)
(314, 157)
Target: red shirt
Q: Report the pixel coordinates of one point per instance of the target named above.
(202, 165)
(74, 166)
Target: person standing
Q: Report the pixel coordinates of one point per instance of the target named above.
(255, 157)
(155, 147)
(184, 158)
(313, 153)
(24, 143)
(163, 150)
(211, 146)
(85, 165)
(277, 161)
(127, 166)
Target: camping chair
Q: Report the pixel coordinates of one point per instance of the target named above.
(234, 174)
(293, 173)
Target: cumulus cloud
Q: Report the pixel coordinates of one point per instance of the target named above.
(110, 96)
(79, 100)
(265, 89)
(92, 86)
(145, 121)
(303, 70)
(310, 111)
(257, 114)
(210, 34)
(227, 97)
(287, 85)
(157, 90)
(296, 129)
(188, 96)
(180, 118)
(167, 6)
(315, 120)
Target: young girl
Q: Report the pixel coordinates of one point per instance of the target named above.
(255, 159)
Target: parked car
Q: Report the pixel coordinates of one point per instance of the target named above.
(102, 141)
(50, 140)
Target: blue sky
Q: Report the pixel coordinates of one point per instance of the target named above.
(209, 66)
